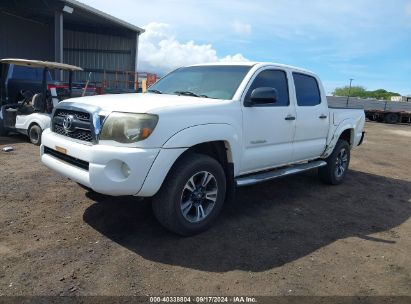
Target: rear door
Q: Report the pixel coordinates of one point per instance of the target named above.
(312, 121)
(268, 129)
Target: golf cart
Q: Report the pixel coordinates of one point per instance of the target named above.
(29, 111)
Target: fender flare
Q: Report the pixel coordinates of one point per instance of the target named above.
(198, 134)
(346, 124)
(178, 143)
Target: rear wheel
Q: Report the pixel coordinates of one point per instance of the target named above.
(337, 164)
(191, 196)
(35, 134)
(391, 118)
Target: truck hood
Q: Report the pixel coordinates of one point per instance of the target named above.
(139, 103)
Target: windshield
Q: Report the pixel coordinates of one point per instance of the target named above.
(219, 81)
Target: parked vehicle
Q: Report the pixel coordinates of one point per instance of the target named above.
(28, 95)
(391, 112)
(389, 116)
(200, 132)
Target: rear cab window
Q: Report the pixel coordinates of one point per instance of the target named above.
(307, 90)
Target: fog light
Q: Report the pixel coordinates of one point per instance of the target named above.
(117, 170)
(125, 169)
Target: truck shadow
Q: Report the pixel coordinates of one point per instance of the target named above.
(14, 138)
(267, 226)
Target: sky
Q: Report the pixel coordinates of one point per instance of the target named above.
(367, 40)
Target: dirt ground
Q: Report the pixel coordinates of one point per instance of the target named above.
(292, 236)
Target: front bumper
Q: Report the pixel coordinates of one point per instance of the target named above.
(105, 169)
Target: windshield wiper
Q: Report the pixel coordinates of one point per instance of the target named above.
(186, 93)
(155, 91)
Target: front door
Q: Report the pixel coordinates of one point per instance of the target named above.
(268, 129)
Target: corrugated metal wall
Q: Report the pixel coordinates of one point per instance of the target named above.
(22, 38)
(97, 52)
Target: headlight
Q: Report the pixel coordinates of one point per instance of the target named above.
(128, 128)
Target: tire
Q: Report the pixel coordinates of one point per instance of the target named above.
(34, 134)
(337, 164)
(391, 118)
(182, 205)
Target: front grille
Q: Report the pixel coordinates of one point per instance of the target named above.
(79, 115)
(77, 134)
(82, 126)
(68, 159)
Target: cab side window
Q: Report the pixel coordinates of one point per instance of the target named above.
(274, 79)
(307, 90)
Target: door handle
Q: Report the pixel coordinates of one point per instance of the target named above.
(290, 118)
(323, 116)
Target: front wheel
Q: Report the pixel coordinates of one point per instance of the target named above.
(192, 195)
(337, 164)
(35, 134)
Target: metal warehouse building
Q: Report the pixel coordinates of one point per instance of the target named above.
(71, 32)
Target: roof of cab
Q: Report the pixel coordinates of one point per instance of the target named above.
(254, 63)
(41, 64)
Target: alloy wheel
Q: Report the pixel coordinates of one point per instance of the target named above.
(199, 196)
(341, 163)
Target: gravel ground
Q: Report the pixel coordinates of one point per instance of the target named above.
(292, 236)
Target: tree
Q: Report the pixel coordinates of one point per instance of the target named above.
(361, 92)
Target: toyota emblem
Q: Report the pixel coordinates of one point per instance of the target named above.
(68, 123)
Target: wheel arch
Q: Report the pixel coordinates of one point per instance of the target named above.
(33, 123)
(347, 135)
(217, 140)
(203, 137)
(346, 131)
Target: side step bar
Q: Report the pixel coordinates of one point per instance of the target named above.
(269, 175)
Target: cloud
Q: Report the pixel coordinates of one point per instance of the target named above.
(161, 52)
(234, 58)
(241, 28)
(316, 34)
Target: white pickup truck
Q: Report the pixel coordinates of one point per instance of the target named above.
(200, 132)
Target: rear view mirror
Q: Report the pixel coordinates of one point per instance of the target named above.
(263, 95)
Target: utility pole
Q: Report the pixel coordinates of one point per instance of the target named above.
(349, 92)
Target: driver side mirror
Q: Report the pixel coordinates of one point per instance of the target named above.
(262, 96)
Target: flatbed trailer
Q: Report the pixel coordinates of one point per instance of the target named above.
(391, 112)
(388, 116)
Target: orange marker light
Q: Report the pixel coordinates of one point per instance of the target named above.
(145, 132)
